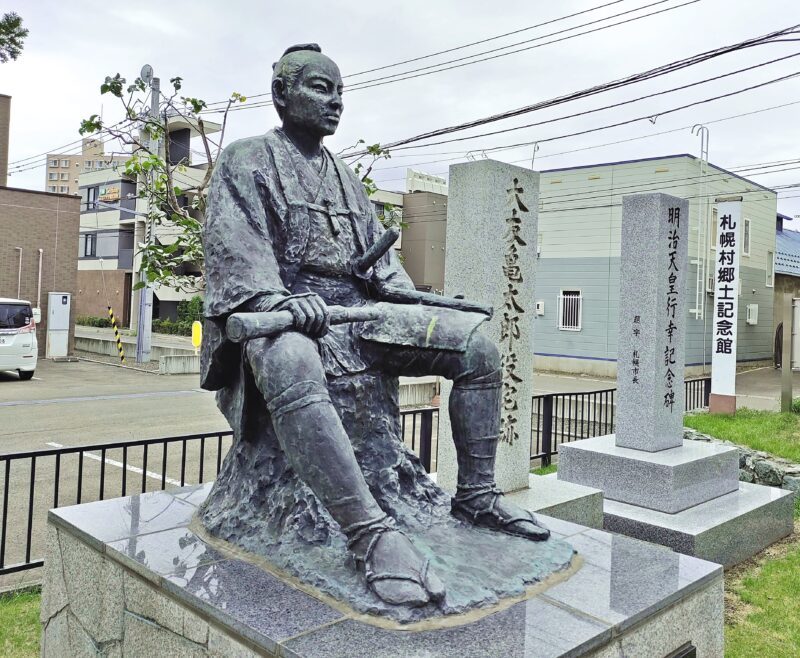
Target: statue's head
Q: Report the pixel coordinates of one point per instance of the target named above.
(307, 90)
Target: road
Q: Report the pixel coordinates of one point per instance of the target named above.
(83, 403)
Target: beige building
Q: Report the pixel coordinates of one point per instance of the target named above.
(63, 171)
(577, 281)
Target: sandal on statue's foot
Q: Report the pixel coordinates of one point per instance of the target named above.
(395, 570)
(486, 507)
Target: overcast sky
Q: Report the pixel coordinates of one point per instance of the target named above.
(220, 47)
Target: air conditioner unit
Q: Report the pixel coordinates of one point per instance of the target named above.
(540, 307)
(710, 284)
(752, 314)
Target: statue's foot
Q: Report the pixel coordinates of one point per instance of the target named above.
(487, 508)
(396, 571)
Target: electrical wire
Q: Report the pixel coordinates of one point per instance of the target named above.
(649, 74)
(408, 75)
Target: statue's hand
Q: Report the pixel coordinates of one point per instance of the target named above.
(310, 314)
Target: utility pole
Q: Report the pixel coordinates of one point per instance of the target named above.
(144, 327)
(786, 354)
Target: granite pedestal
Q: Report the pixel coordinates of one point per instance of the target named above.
(129, 577)
(669, 481)
(657, 486)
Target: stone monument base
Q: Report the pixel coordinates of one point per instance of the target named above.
(688, 498)
(669, 480)
(726, 530)
(129, 577)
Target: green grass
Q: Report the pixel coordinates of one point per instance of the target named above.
(19, 625)
(775, 433)
(545, 470)
(772, 626)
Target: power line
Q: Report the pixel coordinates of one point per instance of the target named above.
(360, 85)
(630, 139)
(450, 50)
(649, 74)
(368, 84)
(476, 43)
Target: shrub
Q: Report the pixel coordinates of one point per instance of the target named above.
(796, 410)
(167, 326)
(190, 310)
(91, 321)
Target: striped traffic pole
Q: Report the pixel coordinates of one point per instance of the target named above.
(116, 334)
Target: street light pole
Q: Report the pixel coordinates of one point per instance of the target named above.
(144, 327)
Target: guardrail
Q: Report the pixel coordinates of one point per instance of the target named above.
(558, 418)
(36, 481)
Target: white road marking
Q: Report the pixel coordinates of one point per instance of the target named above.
(92, 398)
(114, 462)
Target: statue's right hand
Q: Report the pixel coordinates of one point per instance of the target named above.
(311, 315)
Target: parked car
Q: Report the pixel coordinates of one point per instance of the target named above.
(18, 345)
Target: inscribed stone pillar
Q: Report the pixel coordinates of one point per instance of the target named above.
(492, 218)
(652, 322)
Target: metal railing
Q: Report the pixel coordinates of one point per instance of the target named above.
(558, 418)
(34, 482)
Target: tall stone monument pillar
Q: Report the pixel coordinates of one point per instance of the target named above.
(492, 215)
(658, 486)
(652, 322)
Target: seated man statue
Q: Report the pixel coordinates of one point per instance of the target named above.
(287, 223)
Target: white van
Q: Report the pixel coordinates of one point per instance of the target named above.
(18, 345)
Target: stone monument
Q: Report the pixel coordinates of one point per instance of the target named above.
(656, 485)
(491, 257)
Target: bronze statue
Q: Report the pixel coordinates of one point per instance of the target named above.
(291, 235)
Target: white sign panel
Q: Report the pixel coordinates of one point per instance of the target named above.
(726, 298)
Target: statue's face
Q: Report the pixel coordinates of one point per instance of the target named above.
(314, 102)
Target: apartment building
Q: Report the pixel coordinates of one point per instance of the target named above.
(63, 171)
(113, 224)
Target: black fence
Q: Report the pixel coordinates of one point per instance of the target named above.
(34, 482)
(558, 418)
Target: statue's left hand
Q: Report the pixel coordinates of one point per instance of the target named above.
(311, 315)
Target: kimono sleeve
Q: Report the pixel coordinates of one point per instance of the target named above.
(239, 251)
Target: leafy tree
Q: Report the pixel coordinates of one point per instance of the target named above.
(12, 35)
(174, 208)
(176, 204)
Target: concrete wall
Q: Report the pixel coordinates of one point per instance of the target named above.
(425, 216)
(33, 221)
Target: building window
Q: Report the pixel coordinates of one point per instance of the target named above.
(53, 163)
(52, 176)
(51, 188)
(65, 163)
(570, 310)
(746, 238)
(89, 244)
(64, 189)
(770, 269)
(64, 175)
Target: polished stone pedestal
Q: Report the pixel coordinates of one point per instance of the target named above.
(668, 480)
(688, 498)
(129, 577)
(548, 495)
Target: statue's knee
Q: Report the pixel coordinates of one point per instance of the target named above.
(483, 357)
(479, 365)
(286, 367)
